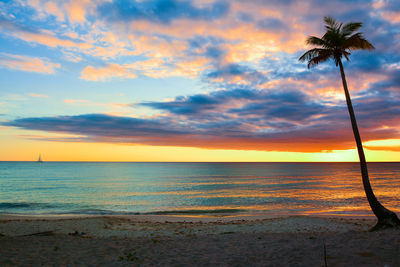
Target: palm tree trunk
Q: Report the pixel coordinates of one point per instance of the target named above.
(386, 218)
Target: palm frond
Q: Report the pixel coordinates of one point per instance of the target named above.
(310, 54)
(315, 56)
(351, 27)
(357, 42)
(320, 58)
(346, 55)
(332, 39)
(331, 23)
(312, 40)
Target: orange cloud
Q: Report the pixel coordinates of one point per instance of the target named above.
(191, 67)
(53, 9)
(26, 63)
(106, 73)
(38, 95)
(243, 41)
(46, 38)
(392, 16)
(153, 67)
(76, 10)
(76, 101)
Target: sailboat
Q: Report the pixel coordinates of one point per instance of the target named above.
(40, 159)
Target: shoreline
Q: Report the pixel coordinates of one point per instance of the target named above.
(193, 218)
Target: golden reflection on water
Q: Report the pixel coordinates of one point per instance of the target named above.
(334, 194)
(322, 196)
(341, 193)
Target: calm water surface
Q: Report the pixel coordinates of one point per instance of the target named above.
(194, 188)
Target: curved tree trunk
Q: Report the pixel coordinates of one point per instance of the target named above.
(386, 218)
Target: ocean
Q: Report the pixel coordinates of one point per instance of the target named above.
(196, 189)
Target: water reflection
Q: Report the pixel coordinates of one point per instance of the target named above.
(273, 188)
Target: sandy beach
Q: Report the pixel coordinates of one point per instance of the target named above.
(160, 240)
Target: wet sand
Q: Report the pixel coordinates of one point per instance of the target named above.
(160, 240)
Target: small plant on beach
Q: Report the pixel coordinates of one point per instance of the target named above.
(338, 41)
(129, 257)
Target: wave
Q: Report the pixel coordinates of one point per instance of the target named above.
(161, 212)
(205, 211)
(25, 205)
(66, 208)
(35, 207)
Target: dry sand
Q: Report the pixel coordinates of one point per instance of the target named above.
(194, 241)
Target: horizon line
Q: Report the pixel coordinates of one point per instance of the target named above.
(83, 161)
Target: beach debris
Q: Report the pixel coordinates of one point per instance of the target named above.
(227, 233)
(325, 259)
(45, 233)
(76, 233)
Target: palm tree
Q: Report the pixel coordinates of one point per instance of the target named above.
(338, 41)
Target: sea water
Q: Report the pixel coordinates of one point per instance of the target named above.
(194, 188)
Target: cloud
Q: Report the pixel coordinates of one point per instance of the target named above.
(243, 119)
(223, 135)
(42, 37)
(106, 73)
(271, 23)
(76, 10)
(161, 11)
(155, 68)
(38, 95)
(262, 108)
(237, 74)
(27, 63)
(76, 101)
(47, 39)
(107, 126)
(53, 9)
(290, 106)
(188, 105)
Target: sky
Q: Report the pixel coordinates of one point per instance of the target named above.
(201, 80)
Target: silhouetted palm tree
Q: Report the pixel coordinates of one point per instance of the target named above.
(338, 41)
